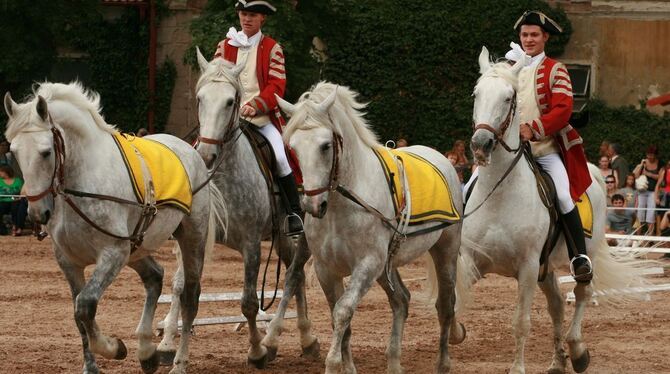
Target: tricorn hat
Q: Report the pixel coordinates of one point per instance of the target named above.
(256, 6)
(533, 17)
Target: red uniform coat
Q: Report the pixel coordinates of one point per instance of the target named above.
(271, 75)
(554, 99)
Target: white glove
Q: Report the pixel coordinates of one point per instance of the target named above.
(516, 53)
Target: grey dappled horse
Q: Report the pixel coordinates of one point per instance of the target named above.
(247, 199)
(62, 143)
(347, 239)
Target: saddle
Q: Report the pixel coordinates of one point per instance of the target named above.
(265, 156)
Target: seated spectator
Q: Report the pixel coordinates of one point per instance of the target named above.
(610, 183)
(402, 142)
(142, 132)
(620, 221)
(17, 207)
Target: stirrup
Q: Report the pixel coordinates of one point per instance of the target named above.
(287, 225)
(585, 277)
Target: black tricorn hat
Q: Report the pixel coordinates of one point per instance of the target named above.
(533, 17)
(256, 6)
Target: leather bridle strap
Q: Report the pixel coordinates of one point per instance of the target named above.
(334, 169)
(500, 134)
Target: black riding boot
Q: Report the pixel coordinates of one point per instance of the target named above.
(580, 264)
(291, 199)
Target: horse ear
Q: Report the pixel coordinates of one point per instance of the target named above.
(239, 66)
(42, 108)
(10, 105)
(202, 61)
(287, 107)
(484, 62)
(326, 104)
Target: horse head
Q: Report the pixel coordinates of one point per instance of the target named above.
(494, 107)
(218, 94)
(33, 146)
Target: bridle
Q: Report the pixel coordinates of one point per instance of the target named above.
(500, 134)
(334, 168)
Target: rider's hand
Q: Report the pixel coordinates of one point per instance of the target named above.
(525, 133)
(248, 111)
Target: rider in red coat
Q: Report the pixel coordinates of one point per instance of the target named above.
(544, 102)
(263, 76)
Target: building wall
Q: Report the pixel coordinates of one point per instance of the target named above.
(627, 43)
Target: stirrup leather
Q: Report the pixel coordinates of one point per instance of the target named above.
(586, 277)
(286, 226)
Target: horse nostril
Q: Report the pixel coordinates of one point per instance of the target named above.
(322, 208)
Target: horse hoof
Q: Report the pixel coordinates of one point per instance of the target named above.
(312, 351)
(272, 353)
(151, 364)
(121, 351)
(580, 364)
(166, 358)
(452, 338)
(259, 363)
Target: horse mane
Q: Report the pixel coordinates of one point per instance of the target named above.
(74, 93)
(501, 70)
(218, 70)
(347, 110)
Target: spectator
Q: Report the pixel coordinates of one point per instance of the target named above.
(603, 150)
(462, 160)
(453, 158)
(402, 142)
(629, 192)
(646, 200)
(619, 221)
(610, 183)
(17, 207)
(6, 158)
(604, 166)
(142, 132)
(665, 229)
(618, 163)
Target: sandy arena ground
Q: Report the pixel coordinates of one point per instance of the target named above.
(38, 334)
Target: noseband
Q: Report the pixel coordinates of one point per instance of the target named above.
(500, 134)
(334, 168)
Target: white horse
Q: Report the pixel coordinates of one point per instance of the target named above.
(506, 235)
(335, 148)
(246, 196)
(69, 157)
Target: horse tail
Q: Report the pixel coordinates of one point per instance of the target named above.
(466, 276)
(618, 278)
(429, 294)
(218, 216)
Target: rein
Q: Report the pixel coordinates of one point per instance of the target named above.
(149, 210)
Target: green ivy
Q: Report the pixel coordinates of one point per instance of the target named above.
(117, 51)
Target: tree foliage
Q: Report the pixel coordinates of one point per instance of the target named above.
(115, 50)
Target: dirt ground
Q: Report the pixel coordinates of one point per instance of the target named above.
(38, 334)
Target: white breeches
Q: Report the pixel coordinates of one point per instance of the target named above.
(273, 136)
(553, 165)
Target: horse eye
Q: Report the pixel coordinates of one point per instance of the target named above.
(230, 102)
(508, 99)
(325, 147)
(45, 154)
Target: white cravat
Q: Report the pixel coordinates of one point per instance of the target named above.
(240, 39)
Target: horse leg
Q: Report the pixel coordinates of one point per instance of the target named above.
(294, 284)
(445, 256)
(151, 274)
(556, 310)
(167, 347)
(579, 354)
(527, 279)
(333, 288)
(399, 301)
(257, 354)
(361, 280)
(192, 240)
(110, 263)
(76, 280)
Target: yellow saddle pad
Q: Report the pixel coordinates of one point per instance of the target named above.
(586, 214)
(430, 195)
(171, 184)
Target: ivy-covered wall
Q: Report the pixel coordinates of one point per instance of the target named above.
(115, 53)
